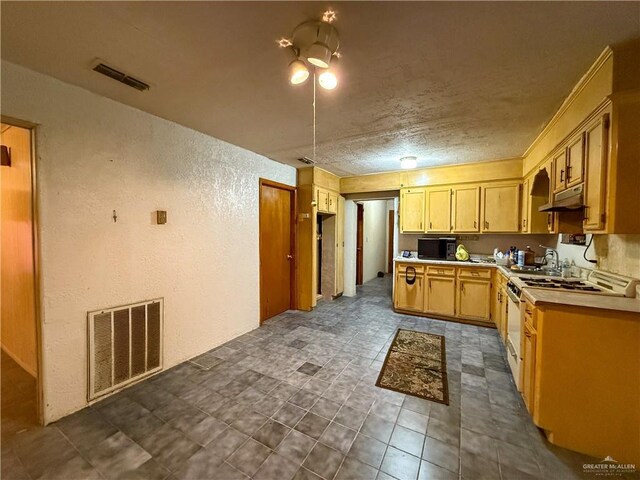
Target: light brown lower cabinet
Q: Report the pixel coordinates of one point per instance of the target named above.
(474, 299)
(441, 294)
(460, 292)
(409, 291)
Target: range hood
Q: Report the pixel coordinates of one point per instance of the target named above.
(567, 200)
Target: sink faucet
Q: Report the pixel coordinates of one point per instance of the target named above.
(556, 261)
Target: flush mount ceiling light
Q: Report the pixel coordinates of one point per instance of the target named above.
(408, 163)
(316, 42)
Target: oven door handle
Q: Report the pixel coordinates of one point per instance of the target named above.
(512, 349)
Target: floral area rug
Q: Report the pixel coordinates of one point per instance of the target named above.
(416, 365)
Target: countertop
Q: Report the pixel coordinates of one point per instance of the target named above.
(620, 304)
(538, 296)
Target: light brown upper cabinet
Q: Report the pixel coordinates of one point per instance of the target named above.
(501, 208)
(439, 209)
(322, 200)
(595, 196)
(466, 209)
(333, 202)
(412, 210)
(559, 171)
(575, 160)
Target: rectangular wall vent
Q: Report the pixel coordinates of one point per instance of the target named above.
(121, 77)
(125, 345)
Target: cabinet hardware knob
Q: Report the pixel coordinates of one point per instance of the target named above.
(430, 227)
(528, 312)
(527, 334)
(475, 224)
(561, 176)
(568, 173)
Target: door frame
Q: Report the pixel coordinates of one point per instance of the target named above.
(37, 275)
(293, 267)
(359, 243)
(391, 223)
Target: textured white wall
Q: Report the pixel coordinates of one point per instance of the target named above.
(96, 156)
(375, 239)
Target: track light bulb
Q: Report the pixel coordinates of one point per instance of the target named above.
(328, 80)
(298, 72)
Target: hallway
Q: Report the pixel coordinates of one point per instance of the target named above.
(295, 399)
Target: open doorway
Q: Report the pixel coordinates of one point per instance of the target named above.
(20, 363)
(375, 238)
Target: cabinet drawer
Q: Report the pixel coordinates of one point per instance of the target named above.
(529, 314)
(442, 271)
(402, 268)
(473, 272)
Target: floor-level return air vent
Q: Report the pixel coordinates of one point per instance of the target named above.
(125, 345)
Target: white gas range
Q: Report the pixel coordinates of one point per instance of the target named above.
(596, 283)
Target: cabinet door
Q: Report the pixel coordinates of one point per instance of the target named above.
(333, 202)
(323, 200)
(496, 301)
(466, 209)
(596, 143)
(409, 296)
(501, 208)
(528, 365)
(575, 161)
(559, 171)
(441, 294)
(474, 299)
(412, 210)
(438, 210)
(340, 246)
(526, 200)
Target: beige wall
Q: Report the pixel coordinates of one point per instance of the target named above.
(17, 296)
(619, 254)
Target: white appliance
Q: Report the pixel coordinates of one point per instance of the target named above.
(597, 283)
(513, 331)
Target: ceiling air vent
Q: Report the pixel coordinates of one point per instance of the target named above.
(121, 77)
(307, 160)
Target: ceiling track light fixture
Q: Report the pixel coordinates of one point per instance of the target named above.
(315, 43)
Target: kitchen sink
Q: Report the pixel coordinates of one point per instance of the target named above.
(537, 271)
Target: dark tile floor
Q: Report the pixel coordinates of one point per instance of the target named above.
(296, 399)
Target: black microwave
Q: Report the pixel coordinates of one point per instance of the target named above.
(437, 248)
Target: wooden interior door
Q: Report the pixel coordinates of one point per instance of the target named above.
(277, 248)
(359, 243)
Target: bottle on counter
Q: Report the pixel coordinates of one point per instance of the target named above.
(566, 268)
(529, 256)
(521, 257)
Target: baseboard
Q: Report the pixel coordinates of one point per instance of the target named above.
(16, 359)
